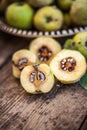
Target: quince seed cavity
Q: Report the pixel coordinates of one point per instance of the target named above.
(38, 75)
(22, 63)
(44, 53)
(68, 64)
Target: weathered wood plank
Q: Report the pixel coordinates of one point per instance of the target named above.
(84, 125)
(10, 44)
(61, 109)
(65, 112)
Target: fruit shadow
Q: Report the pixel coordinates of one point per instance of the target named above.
(57, 89)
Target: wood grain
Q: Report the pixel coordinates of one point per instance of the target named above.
(9, 44)
(63, 108)
(84, 126)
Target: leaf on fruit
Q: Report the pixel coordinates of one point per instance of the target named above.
(83, 81)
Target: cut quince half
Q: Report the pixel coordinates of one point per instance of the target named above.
(68, 66)
(45, 48)
(37, 79)
(20, 59)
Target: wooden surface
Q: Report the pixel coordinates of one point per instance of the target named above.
(63, 108)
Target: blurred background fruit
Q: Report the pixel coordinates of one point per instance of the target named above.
(48, 18)
(20, 15)
(79, 42)
(64, 4)
(78, 12)
(47, 15)
(39, 3)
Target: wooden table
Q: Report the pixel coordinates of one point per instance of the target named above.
(63, 108)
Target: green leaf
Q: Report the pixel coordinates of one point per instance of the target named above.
(83, 81)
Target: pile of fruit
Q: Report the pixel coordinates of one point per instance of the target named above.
(44, 15)
(45, 61)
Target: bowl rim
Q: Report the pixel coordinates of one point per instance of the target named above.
(34, 33)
